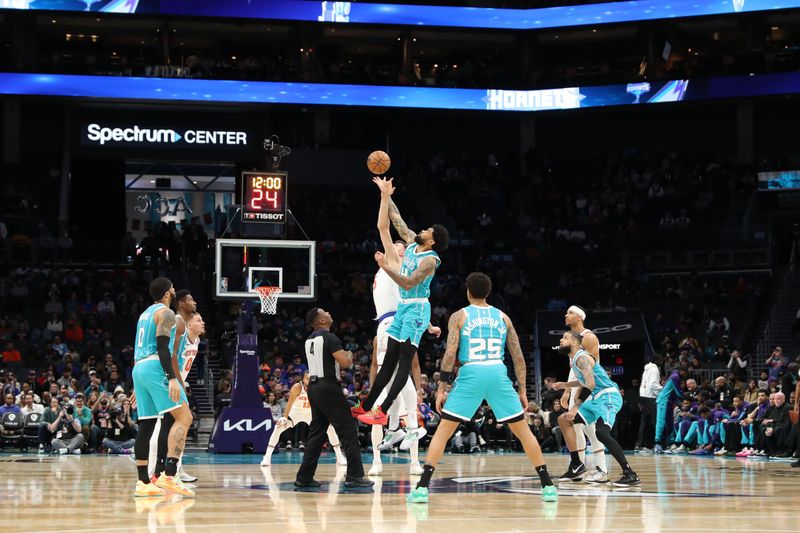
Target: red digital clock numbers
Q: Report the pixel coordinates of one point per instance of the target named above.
(264, 197)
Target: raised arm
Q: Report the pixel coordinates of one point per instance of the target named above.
(426, 268)
(518, 358)
(387, 189)
(399, 224)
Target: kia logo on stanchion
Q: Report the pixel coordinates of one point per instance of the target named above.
(246, 424)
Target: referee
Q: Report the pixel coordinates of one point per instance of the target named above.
(325, 356)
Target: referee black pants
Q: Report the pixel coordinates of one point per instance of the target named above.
(647, 425)
(328, 406)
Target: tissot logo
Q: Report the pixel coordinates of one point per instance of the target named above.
(246, 424)
(137, 135)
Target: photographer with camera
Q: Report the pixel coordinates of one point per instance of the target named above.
(84, 416)
(102, 418)
(66, 428)
(120, 435)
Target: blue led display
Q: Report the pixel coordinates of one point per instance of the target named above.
(421, 15)
(187, 90)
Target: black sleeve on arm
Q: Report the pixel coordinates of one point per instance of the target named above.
(333, 342)
(164, 355)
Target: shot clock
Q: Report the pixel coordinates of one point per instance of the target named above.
(264, 197)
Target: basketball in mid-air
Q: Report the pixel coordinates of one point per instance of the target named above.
(378, 162)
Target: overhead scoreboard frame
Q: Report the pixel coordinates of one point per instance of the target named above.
(264, 197)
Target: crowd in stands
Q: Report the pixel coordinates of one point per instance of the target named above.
(66, 358)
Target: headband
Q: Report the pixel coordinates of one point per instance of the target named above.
(578, 311)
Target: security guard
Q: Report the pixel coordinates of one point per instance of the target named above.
(325, 356)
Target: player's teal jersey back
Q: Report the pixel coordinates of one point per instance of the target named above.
(601, 379)
(483, 335)
(146, 333)
(411, 260)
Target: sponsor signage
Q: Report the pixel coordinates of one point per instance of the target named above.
(99, 134)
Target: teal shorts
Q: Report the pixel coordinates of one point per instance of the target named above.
(152, 390)
(410, 322)
(606, 407)
(477, 382)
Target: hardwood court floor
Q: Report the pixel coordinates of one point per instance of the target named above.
(470, 494)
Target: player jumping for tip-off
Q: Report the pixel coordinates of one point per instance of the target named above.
(414, 276)
(386, 294)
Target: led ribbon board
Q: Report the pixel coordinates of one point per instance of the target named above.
(422, 15)
(182, 90)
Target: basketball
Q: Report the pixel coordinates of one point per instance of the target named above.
(378, 162)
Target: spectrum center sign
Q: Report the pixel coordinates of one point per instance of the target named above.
(134, 135)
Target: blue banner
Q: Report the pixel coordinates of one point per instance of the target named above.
(244, 92)
(420, 15)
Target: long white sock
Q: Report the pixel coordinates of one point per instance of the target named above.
(273, 440)
(394, 422)
(153, 456)
(580, 439)
(333, 438)
(377, 437)
(598, 448)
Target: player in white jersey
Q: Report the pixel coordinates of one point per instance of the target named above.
(386, 295)
(184, 352)
(298, 410)
(589, 342)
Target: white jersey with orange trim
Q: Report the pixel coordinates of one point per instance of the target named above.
(301, 408)
(572, 377)
(385, 294)
(187, 351)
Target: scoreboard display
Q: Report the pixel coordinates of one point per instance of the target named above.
(264, 197)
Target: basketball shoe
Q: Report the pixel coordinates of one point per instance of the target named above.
(550, 493)
(573, 473)
(376, 416)
(357, 410)
(411, 437)
(147, 490)
(391, 438)
(418, 495)
(174, 484)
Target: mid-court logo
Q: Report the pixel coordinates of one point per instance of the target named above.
(102, 135)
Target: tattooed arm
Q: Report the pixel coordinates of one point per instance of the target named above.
(399, 224)
(449, 359)
(585, 364)
(518, 358)
(426, 268)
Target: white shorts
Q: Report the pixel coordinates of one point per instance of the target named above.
(300, 415)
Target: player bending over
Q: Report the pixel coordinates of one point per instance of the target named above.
(599, 401)
(298, 410)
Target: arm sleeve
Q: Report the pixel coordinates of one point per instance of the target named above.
(164, 355)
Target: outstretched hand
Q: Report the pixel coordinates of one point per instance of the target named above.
(380, 258)
(384, 184)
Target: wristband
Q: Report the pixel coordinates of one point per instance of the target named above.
(446, 377)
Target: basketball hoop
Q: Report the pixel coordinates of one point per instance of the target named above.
(269, 299)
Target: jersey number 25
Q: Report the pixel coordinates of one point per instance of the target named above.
(480, 349)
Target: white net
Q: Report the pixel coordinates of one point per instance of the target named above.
(269, 299)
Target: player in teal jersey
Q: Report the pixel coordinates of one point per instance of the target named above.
(157, 390)
(479, 334)
(186, 308)
(414, 276)
(599, 402)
